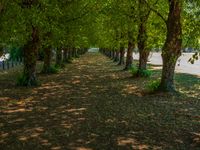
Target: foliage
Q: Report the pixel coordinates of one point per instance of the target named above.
(191, 24)
(41, 54)
(194, 58)
(104, 24)
(144, 73)
(140, 72)
(153, 86)
(51, 70)
(23, 81)
(133, 70)
(61, 66)
(16, 53)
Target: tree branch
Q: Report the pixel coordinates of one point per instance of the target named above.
(156, 12)
(82, 15)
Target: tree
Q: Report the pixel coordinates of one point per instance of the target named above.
(41, 24)
(144, 13)
(172, 47)
(171, 50)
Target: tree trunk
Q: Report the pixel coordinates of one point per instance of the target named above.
(47, 60)
(129, 57)
(121, 58)
(172, 47)
(142, 37)
(65, 55)
(58, 57)
(110, 54)
(129, 54)
(143, 60)
(74, 52)
(69, 54)
(30, 59)
(113, 54)
(78, 52)
(142, 45)
(116, 56)
(1, 50)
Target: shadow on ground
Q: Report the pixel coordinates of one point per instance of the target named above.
(93, 105)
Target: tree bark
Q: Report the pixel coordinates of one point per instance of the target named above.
(143, 60)
(58, 57)
(113, 54)
(69, 54)
(142, 37)
(30, 58)
(47, 60)
(110, 54)
(74, 52)
(121, 58)
(172, 47)
(142, 45)
(65, 55)
(116, 59)
(129, 55)
(1, 50)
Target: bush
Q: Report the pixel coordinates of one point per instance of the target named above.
(139, 72)
(153, 86)
(133, 70)
(16, 53)
(23, 81)
(61, 66)
(144, 73)
(51, 70)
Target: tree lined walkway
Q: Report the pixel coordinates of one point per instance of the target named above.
(93, 105)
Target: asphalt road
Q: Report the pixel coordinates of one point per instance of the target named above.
(182, 66)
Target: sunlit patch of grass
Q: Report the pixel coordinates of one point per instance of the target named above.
(188, 84)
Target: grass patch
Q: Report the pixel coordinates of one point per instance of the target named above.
(144, 73)
(153, 86)
(140, 72)
(22, 80)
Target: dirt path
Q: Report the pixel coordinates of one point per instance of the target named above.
(92, 105)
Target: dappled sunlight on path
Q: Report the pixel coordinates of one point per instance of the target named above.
(91, 105)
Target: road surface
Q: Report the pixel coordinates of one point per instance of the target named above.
(182, 66)
(93, 50)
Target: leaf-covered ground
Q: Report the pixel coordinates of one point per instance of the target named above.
(93, 105)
